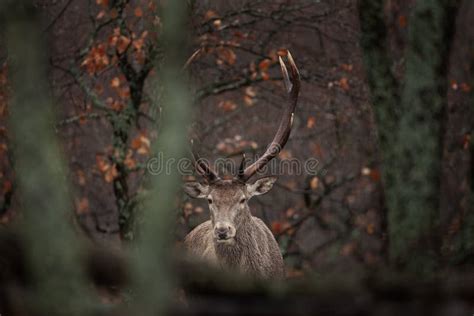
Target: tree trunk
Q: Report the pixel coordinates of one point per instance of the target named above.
(52, 249)
(152, 288)
(410, 125)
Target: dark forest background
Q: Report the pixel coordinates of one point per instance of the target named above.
(386, 107)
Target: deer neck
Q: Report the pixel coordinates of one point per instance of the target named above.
(231, 254)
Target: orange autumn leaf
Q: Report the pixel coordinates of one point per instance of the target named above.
(141, 144)
(96, 60)
(282, 52)
(454, 84)
(115, 82)
(122, 44)
(248, 100)
(264, 64)
(138, 44)
(276, 227)
(402, 21)
(265, 76)
(104, 3)
(217, 23)
(249, 97)
(347, 67)
(111, 174)
(250, 91)
(112, 41)
(124, 93)
(152, 5)
(129, 161)
(311, 122)
(145, 140)
(226, 55)
(344, 83)
(82, 206)
(375, 175)
(314, 183)
(138, 12)
(227, 106)
(143, 150)
(101, 163)
(117, 106)
(100, 15)
(210, 15)
(136, 143)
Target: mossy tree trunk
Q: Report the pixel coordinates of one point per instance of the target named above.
(410, 124)
(52, 249)
(152, 287)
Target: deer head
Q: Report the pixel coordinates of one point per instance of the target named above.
(228, 199)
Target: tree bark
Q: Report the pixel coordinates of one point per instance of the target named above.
(410, 125)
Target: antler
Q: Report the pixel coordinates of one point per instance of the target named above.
(241, 170)
(292, 85)
(202, 167)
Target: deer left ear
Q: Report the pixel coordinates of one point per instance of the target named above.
(196, 189)
(261, 186)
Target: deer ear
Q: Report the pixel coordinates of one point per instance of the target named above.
(261, 186)
(196, 189)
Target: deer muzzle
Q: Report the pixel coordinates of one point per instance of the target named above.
(224, 231)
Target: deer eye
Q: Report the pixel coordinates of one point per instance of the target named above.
(209, 200)
(242, 201)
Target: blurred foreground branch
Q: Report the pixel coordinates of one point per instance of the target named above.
(57, 285)
(152, 280)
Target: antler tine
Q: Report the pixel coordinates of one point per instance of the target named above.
(292, 82)
(202, 167)
(240, 173)
(284, 71)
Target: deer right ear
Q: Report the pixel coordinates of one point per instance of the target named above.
(261, 186)
(196, 189)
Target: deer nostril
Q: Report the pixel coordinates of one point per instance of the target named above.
(221, 232)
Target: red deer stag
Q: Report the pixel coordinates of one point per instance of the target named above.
(234, 239)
